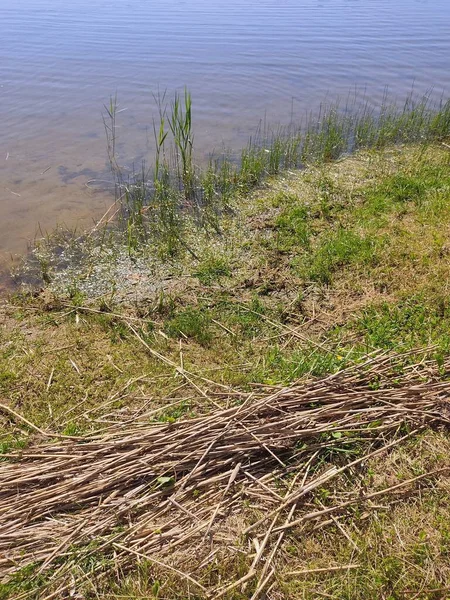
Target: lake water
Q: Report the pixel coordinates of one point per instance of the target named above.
(241, 59)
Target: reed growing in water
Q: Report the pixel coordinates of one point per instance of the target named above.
(156, 202)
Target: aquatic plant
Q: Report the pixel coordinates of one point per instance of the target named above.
(158, 202)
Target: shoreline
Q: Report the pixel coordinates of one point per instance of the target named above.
(166, 215)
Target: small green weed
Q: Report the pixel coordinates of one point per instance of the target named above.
(76, 296)
(327, 192)
(72, 429)
(191, 323)
(426, 188)
(293, 228)
(6, 377)
(10, 443)
(341, 248)
(402, 188)
(174, 413)
(26, 579)
(412, 322)
(283, 367)
(212, 269)
(246, 317)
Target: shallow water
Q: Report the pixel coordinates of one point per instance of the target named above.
(241, 59)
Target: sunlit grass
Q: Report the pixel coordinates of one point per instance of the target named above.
(160, 199)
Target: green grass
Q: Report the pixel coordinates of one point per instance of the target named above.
(160, 201)
(293, 228)
(278, 366)
(191, 323)
(353, 255)
(24, 580)
(341, 248)
(413, 322)
(211, 269)
(400, 551)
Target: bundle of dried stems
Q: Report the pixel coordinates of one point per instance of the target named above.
(145, 490)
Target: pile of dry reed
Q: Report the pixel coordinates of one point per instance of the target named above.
(145, 490)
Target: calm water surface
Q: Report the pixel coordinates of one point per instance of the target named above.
(242, 59)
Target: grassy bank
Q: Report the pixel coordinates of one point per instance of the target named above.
(171, 208)
(317, 269)
(158, 203)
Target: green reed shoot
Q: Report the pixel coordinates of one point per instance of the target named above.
(158, 203)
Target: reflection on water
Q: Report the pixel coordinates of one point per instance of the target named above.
(242, 59)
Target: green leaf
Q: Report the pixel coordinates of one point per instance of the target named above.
(165, 481)
(155, 588)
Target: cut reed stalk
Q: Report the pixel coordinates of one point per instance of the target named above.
(150, 490)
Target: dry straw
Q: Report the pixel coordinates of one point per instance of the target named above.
(150, 491)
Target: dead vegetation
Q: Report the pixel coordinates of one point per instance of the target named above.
(136, 491)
